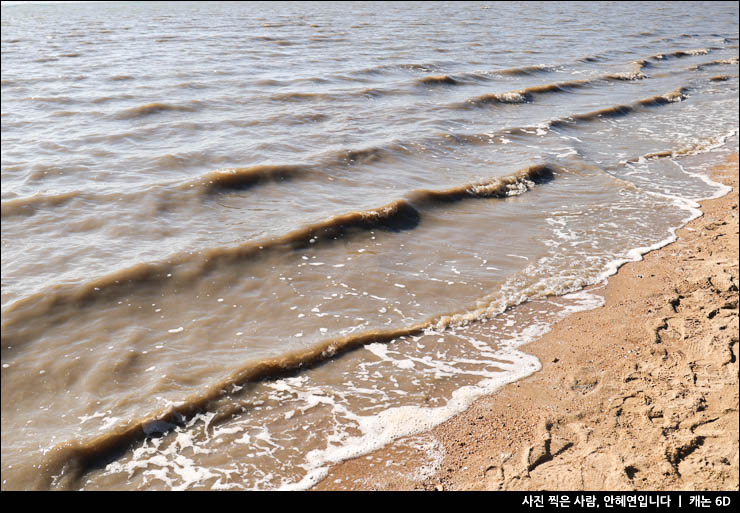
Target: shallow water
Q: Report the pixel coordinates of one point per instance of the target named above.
(244, 241)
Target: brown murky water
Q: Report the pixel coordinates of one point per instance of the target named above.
(244, 241)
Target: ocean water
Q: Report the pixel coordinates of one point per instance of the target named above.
(242, 242)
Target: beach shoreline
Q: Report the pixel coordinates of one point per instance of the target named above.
(638, 394)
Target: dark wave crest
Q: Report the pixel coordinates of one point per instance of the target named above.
(718, 62)
(30, 205)
(153, 108)
(528, 94)
(438, 80)
(238, 179)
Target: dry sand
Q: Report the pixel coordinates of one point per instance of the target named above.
(639, 394)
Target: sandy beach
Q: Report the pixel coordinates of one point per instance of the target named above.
(639, 394)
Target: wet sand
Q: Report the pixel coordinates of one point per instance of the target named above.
(639, 394)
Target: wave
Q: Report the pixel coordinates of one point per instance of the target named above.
(527, 94)
(438, 80)
(240, 179)
(676, 95)
(591, 58)
(718, 62)
(152, 108)
(636, 73)
(366, 155)
(511, 185)
(641, 64)
(609, 112)
(245, 178)
(690, 149)
(30, 205)
(536, 69)
(105, 99)
(458, 77)
(679, 54)
(299, 96)
(627, 75)
(65, 464)
(622, 110)
(431, 80)
(524, 70)
(236, 179)
(494, 98)
(186, 268)
(426, 68)
(473, 77)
